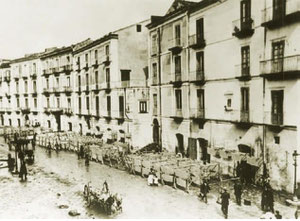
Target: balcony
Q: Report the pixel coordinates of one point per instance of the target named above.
(283, 14)
(107, 114)
(78, 68)
(95, 87)
(154, 111)
(25, 110)
(56, 90)
(2, 110)
(107, 86)
(154, 50)
(177, 115)
(8, 95)
(25, 75)
(197, 41)
(47, 72)
(67, 89)
(33, 74)
(47, 90)
(34, 110)
(95, 64)
(8, 110)
(68, 111)
(34, 92)
(281, 69)
(176, 45)
(55, 70)
(197, 113)
(121, 115)
(86, 67)
(56, 110)
(242, 72)
(106, 60)
(243, 28)
(67, 68)
(175, 79)
(47, 110)
(197, 77)
(7, 78)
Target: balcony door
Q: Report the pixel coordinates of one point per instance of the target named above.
(245, 54)
(200, 65)
(278, 9)
(245, 14)
(245, 104)
(177, 60)
(277, 56)
(277, 107)
(121, 105)
(177, 35)
(200, 103)
(200, 30)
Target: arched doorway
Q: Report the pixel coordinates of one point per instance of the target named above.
(26, 120)
(155, 132)
(180, 144)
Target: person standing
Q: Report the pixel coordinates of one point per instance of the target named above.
(264, 199)
(23, 171)
(238, 192)
(204, 190)
(225, 202)
(270, 199)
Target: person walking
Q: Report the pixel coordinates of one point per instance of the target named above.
(204, 190)
(225, 202)
(238, 192)
(23, 171)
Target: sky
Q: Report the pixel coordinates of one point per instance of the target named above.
(30, 26)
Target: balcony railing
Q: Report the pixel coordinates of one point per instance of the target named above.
(95, 63)
(154, 80)
(47, 71)
(242, 72)
(197, 41)
(175, 45)
(67, 89)
(25, 110)
(245, 116)
(47, 90)
(175, 78)
(7, 78)
(121, 114)
(66, 68)
(33, 74)
(107, 114)
(68, 111)
(154, 50)
(274, 118)
(177, 113)
(197, 76)
(197, 113)
(55, 70)
(106, 60)
(125, 84)
(281, 68)
(86, 66)
(154, 111)
(243, 27)
(283, 14)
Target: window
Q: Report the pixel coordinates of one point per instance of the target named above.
(229, 103)
(278, 9)
(35, 102)
(154, 44)
(34, 68)
(200, 99)
(277, 56)
(68, 59)
(70, 126)
(138, 28)
(245, 99)
(17, 86)
(154, 73)
(57, 82)
(107, 50)
(87, 79)
(200, 63)
(68, 82)
(200, 30)
(26, 102)
(178, 99)
(34, 86)
(78, 62)
(245, 12)
(79, 81)
(9, 120)
(48, 102)
(277, 139)
(277, 107)
(97, 106)
(96, 55)
(87, 103)
(107, 75)
(49, 124)
(121, 104)
(18, 102)
(26, 86)
(96, 77)
(177, 35)
(108, 102)
(177, 65)
(143, 106)
(19, 122)
(79, 104)
(47, 83)
(245, 55)
(154, 104)
(86, 58)
(57, 102)
(125, 75)
(69, 102)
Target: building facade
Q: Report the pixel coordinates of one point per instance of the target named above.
(224, 84)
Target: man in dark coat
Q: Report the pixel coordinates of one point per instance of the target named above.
(270, 199)
(204, 190)
(23, 171)
(238, 192)
(264, 199)
(225, 202)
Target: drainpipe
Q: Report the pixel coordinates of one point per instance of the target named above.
(159, 87)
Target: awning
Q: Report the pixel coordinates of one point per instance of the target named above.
(248, 140)
(244, 148)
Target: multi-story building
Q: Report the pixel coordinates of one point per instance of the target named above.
(5, 77)
(111, 86)
(224, 84)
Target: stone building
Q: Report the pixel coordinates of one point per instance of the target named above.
(224, 84)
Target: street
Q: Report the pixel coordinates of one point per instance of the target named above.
(57, 180)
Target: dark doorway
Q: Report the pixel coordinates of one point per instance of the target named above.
(180, 144)
(204, 156)
(155, 131)
(26, 120)
(2, 120)
(57, 118)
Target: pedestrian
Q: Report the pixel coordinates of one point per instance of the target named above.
(23, 171)
(270, 199)
(10, 163)
(238, 192)
(204, 190)
(278, 215)
(264, 199)
(87, 160)
(225, 202)
(297, 213)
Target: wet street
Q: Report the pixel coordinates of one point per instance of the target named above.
(58, 179)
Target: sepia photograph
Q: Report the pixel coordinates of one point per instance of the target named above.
(150, 109)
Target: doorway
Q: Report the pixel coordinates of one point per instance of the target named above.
(155, 131)
(58, 122)
(204, 156)
(180, 144)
